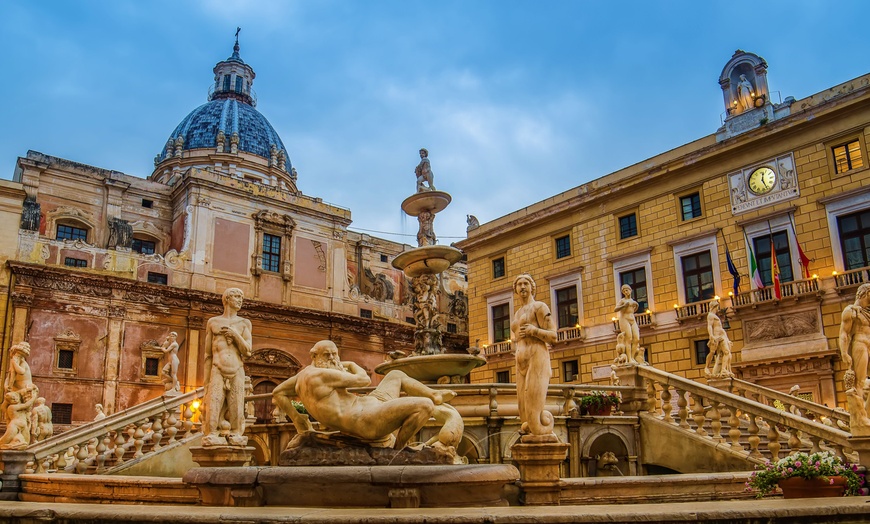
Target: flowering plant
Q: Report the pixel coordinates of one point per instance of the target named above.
(598, 399)
(821, 465)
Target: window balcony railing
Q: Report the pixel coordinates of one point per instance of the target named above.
(647, 319)
(692, 311)
(570, 333)
(852, 278)
(794, 289)
(499, 348)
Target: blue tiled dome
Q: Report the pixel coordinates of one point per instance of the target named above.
(200, 128)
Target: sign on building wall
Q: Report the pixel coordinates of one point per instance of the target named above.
(763, 184)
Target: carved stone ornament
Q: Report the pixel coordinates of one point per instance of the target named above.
(783, 326)
(30, 215)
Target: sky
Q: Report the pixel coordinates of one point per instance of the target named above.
(516, 101)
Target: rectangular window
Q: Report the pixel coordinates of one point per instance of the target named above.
(158, 278)
(698, 277)
(690, 205)
(147, 203)
(761, 245)
(75, 262)
(365, 313)
(451, 327)
(65, 359)
(226, 83)
(628, 226)
(847, 157)
(566, 306)
(146, 247)
(271, 252)
(570, 370)
(152, 366)
(71, 233)
(701, 352)
(238, 84)
(498, 268)
(563, 246)
(854, 239)
(503, 377)
(383, 258)
(501, 323)
(636, 278)
(61, 413)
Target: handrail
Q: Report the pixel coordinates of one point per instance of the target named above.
(806, 407)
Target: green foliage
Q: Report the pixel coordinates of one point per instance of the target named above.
(299, 407)
(598, 400)
(821, 465)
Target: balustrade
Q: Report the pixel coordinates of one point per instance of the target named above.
(851, 278)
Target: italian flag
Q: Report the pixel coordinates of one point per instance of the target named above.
(754, 274)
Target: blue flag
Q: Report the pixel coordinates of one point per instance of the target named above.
(733, 271)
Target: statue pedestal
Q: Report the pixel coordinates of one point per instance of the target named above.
(13, 463)
(540, 479)
(222, 456)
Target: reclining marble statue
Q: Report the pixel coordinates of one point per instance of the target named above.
(382, 418)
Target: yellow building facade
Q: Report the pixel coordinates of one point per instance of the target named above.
(786, 177)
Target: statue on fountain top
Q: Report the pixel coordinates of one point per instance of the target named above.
(424, 172)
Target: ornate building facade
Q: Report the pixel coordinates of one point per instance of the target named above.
(778, 179)
(101, 265)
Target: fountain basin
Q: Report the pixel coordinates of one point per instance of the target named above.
(429, 368)
(427, 260)
(432, 201)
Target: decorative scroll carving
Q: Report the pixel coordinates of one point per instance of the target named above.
(272, 362)
(783, 326)
(66, 285)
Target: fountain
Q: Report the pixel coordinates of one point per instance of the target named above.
(428, 362)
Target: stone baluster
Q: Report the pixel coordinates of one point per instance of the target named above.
(754, 439)
(102, 448)
(715, 422)
(493, 402)
(81, 456)
(569, 403)
(699, 415)
(170, 425)
(816, 447)
(139, 439)
(734, 430)
(119, 447)
(773, 440)
(650, 396)
(60, 464)
(30, 467)
(131, 438)
(157, 428)
(682, 412)
(188, 421)
(666, 404)
(794, 441)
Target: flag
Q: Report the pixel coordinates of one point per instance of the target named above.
(774, 271)
(805, 260)
(732, 270)
(754, 274)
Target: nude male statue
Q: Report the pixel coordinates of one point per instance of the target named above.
(854, 344)
(227, 343)
(424, 172)
(322, 387)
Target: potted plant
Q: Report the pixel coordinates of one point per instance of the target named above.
(598, 402)
(820, 474)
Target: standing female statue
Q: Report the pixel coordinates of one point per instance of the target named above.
(533, 328)
(625, 309)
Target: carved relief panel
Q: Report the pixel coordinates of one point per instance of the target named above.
(763, 184)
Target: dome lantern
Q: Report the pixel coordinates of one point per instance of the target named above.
(233, 78)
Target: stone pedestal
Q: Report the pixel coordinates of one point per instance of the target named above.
(222, 456)
(861, 445)
(540, 479)
(635, 399)
(14, 463)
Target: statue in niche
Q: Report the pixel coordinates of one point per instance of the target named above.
(227, 344)
(534, 330)
(424, 172)
(41, 427)
(426, 233)
(719, 345)
(625, 309)
(30, 215)
(100, 413)
(18, 377)
(854, 344)
(382, 418)
(18, 406)
(120, 233)
(745, 93)
(472, 222)
(170, 369)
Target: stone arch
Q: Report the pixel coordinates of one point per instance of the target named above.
(754, 68)
(146, 230)
(261, 454)
(267, 368)
(605, 440)
(70, 216)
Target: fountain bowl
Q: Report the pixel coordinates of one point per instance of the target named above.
(427, 260)
(432, 201)
(430, 368)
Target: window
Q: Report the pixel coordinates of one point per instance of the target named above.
(65, 358)
(698, 277)
(501, 323)
(152, 366)
(365, 313)
(503, 377)
(563, 246)
(701, 352)
(238, 84)
(636, 279)
(566, 306)
(451, 327)
(61, 413)
(147, 203)
(226, 83)
(761, 246)
(158, 278)
(271, 252)
(854, 239)
(847, 157)
(146, 247)
(410, 320)
(498, 267)
(383, 258)
(690, 206)
(628, 226)
(570, 370)
(65, 232)
(75, 262)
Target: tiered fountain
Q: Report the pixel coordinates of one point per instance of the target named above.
(423, 265)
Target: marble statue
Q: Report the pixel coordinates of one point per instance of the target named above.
(100, 413)
(472, 221)
(41, 427)
(427, 336)
(625, 309)
(227, 344)
(719, 345)
(383, 417)
(621, 354)
(424, 172)
(533, 329)
(854, 344)
(18, 406)
(170, 369)
(426, 233)
(745, 93)
(30, 215)
(18, 376)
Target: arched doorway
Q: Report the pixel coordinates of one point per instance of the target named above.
(268, 368)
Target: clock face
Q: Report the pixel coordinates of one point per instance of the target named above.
(761, 180)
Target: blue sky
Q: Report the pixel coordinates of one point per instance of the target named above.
(515, 100)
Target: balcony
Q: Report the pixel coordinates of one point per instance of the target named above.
(847, 280)
(692, 311)
(795, 289)
(570, 333)
(499, 348)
